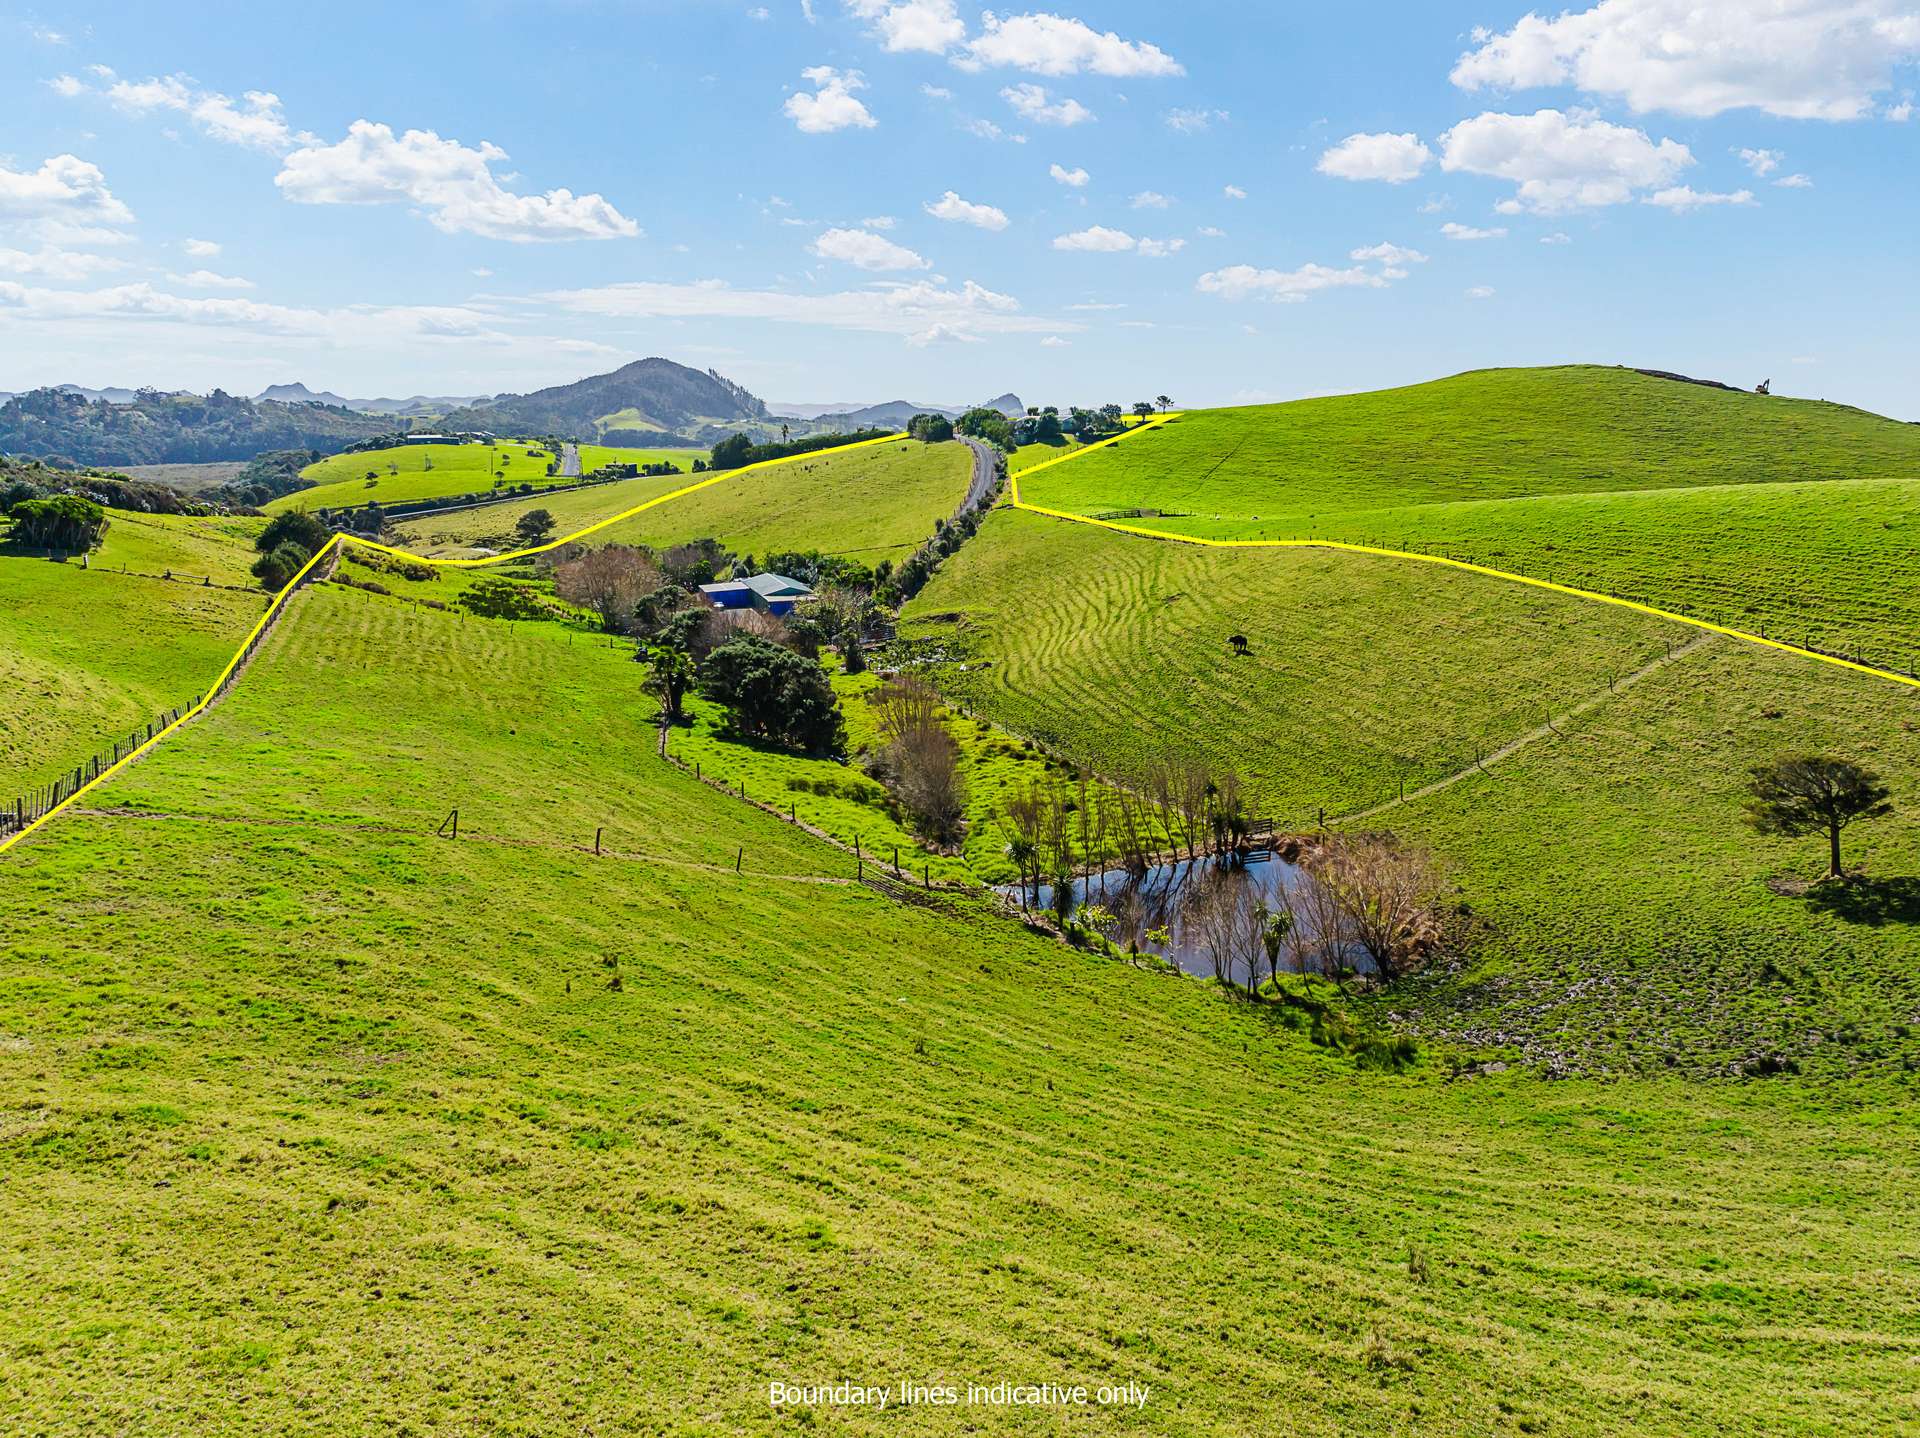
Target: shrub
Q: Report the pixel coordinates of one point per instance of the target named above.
(63, 522)
(771, 693)
(276, 568)
(504, 599)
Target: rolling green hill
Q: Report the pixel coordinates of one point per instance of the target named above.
(1744, 509)
(396, 1131)
(402, 473)
(872, 503)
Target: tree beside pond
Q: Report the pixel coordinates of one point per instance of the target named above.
(771, 693)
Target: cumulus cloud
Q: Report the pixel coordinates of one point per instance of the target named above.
(65, 85)
(1682, 198)
(1056, 45)
(1031, 102)
(254, 120)
(1150, 200)
(987, 130)
(866, 250)
(929, 26)
(1234, 192)
(1244, 282)
(1054, 342)
(1810, 59)
(1561, 162)
(832, 105)
(1074, 179)
(201, 249)
(1160, 249)
(952, 208)
(1392, 158)
(1480, 292)
(1761, 162)
(942, 334)
(1393, 256)
(64, 188)
(904, 308)
(1795, 182)
(453, 185)
(1097, 239)
(1454, 231)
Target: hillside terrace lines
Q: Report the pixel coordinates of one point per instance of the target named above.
(1382, 552)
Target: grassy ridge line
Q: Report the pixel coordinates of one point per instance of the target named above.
(336, 543)
(1348, 547)
(213, 691)
(625, 514)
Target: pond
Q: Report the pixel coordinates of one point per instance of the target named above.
(1159, 900)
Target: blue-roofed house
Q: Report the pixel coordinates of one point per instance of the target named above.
(774, 593)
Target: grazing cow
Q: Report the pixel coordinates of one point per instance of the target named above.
(1239, 643)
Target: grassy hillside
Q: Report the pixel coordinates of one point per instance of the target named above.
(402, 473)
(1609, 851)
(87, 654)
(1744, 509)
(875, 503)
(594, 456)
(392, 1150)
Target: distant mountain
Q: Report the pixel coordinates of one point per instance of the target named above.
(114, 396)
(1007, 404)
(877, 413)
(300, 394)
(419, 406)
(154, 428)
(648, 398)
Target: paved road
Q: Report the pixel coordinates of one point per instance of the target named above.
(985, 459)
(569, 461)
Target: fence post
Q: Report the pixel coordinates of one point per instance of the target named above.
(596, 840)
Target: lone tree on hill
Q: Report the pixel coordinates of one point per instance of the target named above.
(1812, 794)
(771, 693)
(534, 526)
(1164, 401)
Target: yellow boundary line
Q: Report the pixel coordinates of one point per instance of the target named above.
(1443, 562)
(339, 541)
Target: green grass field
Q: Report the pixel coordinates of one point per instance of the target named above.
(89, 654)
(870, 504)
(594, 456)
(345, 1128)
(401, 474)
(1742, 509)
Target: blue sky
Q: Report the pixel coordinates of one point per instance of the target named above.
(921, 199)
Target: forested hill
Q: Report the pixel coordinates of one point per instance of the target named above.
(175, 428)
(647, 395)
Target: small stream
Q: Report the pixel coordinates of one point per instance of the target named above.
(1156, 901)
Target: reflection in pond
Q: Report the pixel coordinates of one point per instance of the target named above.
(1215, 919)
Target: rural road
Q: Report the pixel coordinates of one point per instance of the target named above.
(569, 461)
(981, 485)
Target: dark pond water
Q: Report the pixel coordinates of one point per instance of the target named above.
(1159, 900)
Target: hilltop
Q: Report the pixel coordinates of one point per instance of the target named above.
(639, 403)
(155, 428)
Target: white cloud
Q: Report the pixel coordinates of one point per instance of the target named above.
(906, 309)
(929, 26)
(1031, 103)
(1054, 342)
(1393, 256)
(1150, 200)
(1160, 249)
(1556, 238)
(942, 334)
(1683, 198)
(254, 120)
(1074, 179)
(867, 251)
(358, 323)
(56, 263)
(481, 272)
(1393, 158)
(1761, 162)
(208, 280)
(1480, 292)
(1794, 182)
(952, 208)
(987, 130)
(936, 92)
(1056, 45)
(1234, 192)
(1561, 162)
(64, 188)
(201, 249)
(878, 222)
(759, 12)
(1242, 282)
(1192, 122)
(832, 105)
(1454, 231)
(1098, 239)
(453, 185)
(1900, 113)
(65, 85)
(1807, 59)
(1211, 232)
